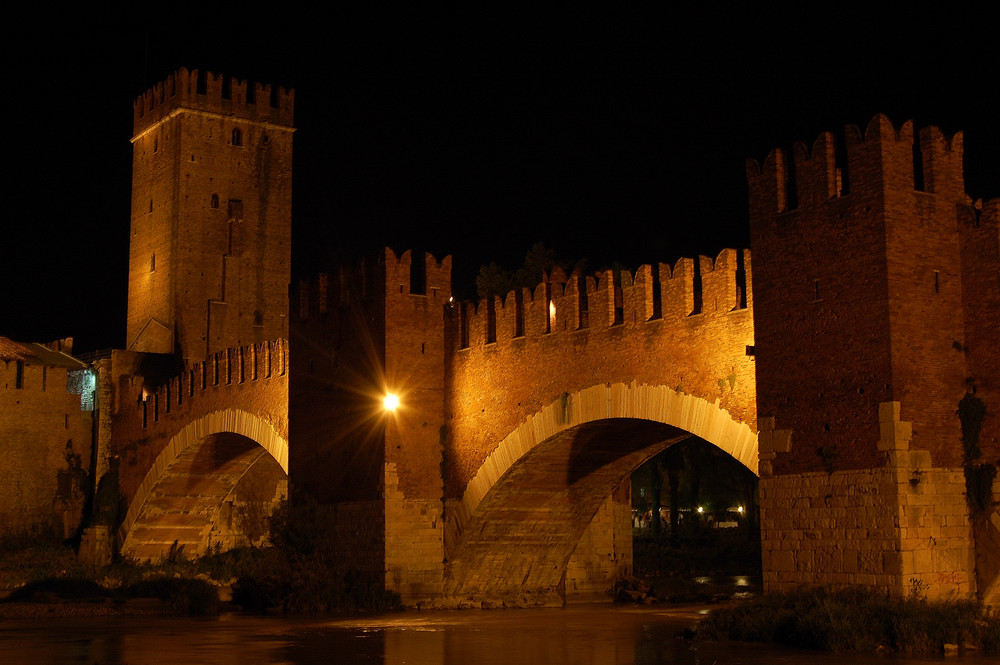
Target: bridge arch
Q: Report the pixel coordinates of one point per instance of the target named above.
(603, 401)
(261, 440)
(544, 529)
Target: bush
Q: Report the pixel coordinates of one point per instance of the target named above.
(856, 620)
(300, 572)
(64, 588)
(187, 596)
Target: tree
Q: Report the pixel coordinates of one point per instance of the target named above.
(540, 260)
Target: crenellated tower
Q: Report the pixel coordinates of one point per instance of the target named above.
(359, 334)
(209, 256)
(862, 351)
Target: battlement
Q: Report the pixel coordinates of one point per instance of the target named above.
(988, 212)
(386, 274)
(560, 304)
(231, 366)
(883, 160)
(210, 93)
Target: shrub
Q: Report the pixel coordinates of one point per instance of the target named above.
(856, 620)
(187, 596)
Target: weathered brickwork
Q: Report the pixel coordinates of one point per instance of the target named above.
(210, 250)
(874, 284)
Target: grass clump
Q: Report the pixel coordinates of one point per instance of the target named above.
(856, 620)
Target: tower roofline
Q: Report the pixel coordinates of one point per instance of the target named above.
(214, 94)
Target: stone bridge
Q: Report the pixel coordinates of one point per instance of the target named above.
(869, 348)
(203, 456)
(522, 418)
(547, 424)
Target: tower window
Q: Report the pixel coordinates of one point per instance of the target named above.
(235, 210)
(237, 137)
(152, 263)
(215, 201)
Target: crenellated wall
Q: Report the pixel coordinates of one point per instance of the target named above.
(688, 327)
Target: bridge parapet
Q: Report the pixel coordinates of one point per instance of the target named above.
(610, 298)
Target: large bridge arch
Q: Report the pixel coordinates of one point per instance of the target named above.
(240, 440)
(572, 428)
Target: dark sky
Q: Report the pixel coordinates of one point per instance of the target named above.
(608, 136)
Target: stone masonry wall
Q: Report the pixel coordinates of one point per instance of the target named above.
(897, 529)
(604, 553)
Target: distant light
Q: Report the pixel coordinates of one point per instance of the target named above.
(390, 402)
(700, 509)
(740, 510)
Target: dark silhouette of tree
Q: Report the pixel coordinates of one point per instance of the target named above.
(539, 261)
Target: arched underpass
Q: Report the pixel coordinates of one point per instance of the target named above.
(216, 492)
(523, 536)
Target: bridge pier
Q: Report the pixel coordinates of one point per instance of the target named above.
(604, 553)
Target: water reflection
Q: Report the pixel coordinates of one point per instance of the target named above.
(578, 635)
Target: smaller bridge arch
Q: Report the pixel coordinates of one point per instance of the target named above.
(651, 417)
(248, 427)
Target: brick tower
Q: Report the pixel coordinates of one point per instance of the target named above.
(358, 334)
(209, 257)
(862, 348)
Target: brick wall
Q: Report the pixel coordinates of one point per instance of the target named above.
(42, 424)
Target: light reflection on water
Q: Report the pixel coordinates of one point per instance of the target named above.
(577, 635)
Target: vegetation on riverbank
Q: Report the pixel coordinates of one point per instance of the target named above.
(296, 573)
(857, 620)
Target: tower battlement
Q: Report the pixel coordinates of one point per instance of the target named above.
(387, 273)
(211, 93)
(882, 160)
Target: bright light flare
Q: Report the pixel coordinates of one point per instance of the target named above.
(390, 402)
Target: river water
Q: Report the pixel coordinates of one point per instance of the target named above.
(576, 635)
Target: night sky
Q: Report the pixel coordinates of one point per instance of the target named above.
(608, 136)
